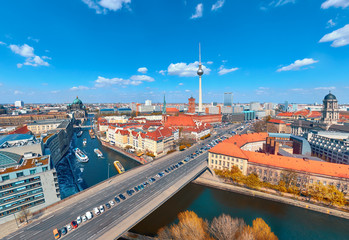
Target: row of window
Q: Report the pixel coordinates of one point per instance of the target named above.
(226, 158)
(21, 201)
(19, 183)
(14, 210)
(20, 189)
(21, 195)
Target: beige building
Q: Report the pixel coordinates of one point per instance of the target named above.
(43, 126)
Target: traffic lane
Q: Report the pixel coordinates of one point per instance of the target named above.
(139, 199)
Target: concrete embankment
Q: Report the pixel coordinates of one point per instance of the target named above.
(214, 182)
(123, 152)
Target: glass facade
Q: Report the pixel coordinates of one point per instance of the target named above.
(228, 99)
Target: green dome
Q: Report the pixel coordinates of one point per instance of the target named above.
(77, 101)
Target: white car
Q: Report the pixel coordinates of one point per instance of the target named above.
(89, 215)
(68, 227)
(78, 220)
(111, 202)
(84, 218)
(96, 210)
(101, 208)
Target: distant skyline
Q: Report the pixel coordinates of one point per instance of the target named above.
(133, 50)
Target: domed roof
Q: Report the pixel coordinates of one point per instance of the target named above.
(2, 106)
(77, 101)
(330, 96)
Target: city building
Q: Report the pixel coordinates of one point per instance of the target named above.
(21, 144)
(330, 146)
(247, 153)
(330, 113)
(78, 110)
(278, 126)
(148, 102)
(28, 118)
(19, 104)
(2, 109)
(255, 106)
(228, 99)
(43, 126)
(191, 105)
(29, 183)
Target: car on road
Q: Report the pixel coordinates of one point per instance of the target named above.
(129, 192)
(63, 231)
(122, 196)
(111, 202)
(107, 205)
(101, 208)
(74, 224)
(69, 227)
(84, 218)
(96, 211)
(56, 233)
(78, 220)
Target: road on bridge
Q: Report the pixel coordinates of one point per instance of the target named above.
(92, 229)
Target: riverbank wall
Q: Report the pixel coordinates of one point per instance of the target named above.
(123, 152)
(206, 179)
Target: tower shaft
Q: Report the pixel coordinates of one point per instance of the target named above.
(200, 95)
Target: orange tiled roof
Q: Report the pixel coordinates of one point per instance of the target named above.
(285, 114)
(299, 164)
(181, 120)
(315, 114)
(303, 112)
(241, 140)
(172, 110)
(228, 149)
(276, 121)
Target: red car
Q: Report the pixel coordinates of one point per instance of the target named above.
(74, 224)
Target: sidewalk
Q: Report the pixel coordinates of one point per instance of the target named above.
(207, 179)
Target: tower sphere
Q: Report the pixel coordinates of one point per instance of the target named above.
(200, 71)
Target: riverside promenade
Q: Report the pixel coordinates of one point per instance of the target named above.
(209, 180)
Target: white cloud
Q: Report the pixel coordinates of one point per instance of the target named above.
(134, 80)
(209, 62)
(263, 88)
(325, 88)
(55, 91)
(142, 78)
(79, 88)
(223, 70)
(335, 3)
(217, 5)
(28, 52)
(297, 65)
(180, 84)
(339, 37)
(24, 50)
(143, 70)
(187, 90)
(330, 23)
(33, 39)
(186, 70)
(162, 72)
(281, 2)
(103, 6)
(198, 11)
(17, 92)
(2, 43)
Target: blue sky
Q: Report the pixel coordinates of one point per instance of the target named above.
(133, 50)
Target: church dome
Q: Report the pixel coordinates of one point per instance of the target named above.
(77, 101)
(330, 96)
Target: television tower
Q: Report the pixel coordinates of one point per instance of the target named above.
(200, 72)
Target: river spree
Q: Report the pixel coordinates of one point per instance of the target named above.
(287, 222)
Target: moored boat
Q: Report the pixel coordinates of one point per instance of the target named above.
(119, 167)
(84, 141)
(98, 152)
(79, 134)
(80, 155)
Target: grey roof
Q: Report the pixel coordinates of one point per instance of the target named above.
(8, 159)
(330, 96)
(15, 137)
(339, 128)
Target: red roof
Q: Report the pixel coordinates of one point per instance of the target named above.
(180, 121)
(315, 114)
(172, 110)
(228, 149)
(20, 130)
(285, 114)
(303, 112)
(276, 121)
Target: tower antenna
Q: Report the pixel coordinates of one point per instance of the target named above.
(199, 54)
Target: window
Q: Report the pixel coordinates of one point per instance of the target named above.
(20, 174)
(212, 161)
(44, 169)
(311, 180)
(325, 183)
(216, 162)
(33, 171)
(5, 177)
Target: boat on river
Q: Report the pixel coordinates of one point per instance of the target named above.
(80, 155)
(84, 141)
(98, 152)
(119, 167)
(79, 134)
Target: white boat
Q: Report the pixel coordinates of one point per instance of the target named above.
(79, 134)
(98, 152)
(80, 155)
(84, 141)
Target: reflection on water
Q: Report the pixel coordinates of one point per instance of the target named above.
(286, 221)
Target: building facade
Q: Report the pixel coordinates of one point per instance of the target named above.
(330, 112)
(191, 105)
(228, 99)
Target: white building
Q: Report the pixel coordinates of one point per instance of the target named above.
(19, 104)
(148, 102)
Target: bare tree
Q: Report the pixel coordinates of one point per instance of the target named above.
(225, 227)
(289, 177)
(24, 214)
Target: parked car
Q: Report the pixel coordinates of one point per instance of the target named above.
(96, 211)
(122, 196)
(107, 205)
(56, 233)
(63, 231)
(117, 200)
(74, 224)
(78, 220)
(69, 227)
(84, 218)
(101, 208)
